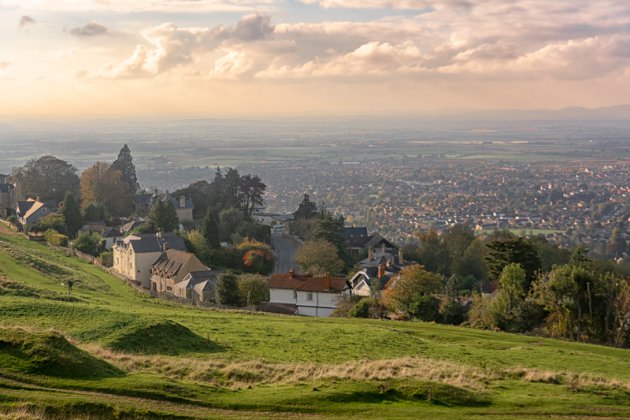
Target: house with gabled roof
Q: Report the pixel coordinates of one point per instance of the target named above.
(7, 199)
(31, 211)
(172, 267)
(134, 255)
(309, 295)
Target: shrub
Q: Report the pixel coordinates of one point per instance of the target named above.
(227, 290)
(252, 289)
(12, 220)
(107, 258)
(90, 243)
(360, 310)
(55, 238)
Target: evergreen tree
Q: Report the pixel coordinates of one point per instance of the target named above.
(124, 164)
(227, 290)
(306, 210)
(163, 215)
(211, 230)
(517, 251)
(72, 215)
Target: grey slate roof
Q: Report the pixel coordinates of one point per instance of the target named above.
(146, 244)
(173, 241)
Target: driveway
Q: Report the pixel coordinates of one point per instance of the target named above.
(285, 247)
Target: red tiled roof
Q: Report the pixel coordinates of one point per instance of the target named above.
(307, 283)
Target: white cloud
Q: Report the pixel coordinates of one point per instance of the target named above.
(232, 66)
(134, 6)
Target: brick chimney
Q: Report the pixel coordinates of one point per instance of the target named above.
(370, 254)
(182, 202)
(381, 271)
(327, 281)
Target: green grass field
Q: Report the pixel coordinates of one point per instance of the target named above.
(108, 351)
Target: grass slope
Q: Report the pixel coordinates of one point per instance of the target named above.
(160, 359)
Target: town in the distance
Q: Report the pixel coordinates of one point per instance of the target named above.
(480, 242)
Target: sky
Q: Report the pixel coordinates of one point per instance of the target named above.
(246, 58)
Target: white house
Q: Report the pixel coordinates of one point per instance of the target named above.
(310, 295)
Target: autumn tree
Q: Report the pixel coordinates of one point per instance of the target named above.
(319, 257)
(105, 185)
(413, 293)
(48, 178)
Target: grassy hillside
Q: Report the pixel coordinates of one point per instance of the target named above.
(107, 350)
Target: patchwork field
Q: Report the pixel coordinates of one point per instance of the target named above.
(107, 350)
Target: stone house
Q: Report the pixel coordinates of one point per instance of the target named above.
(134, 255)
(172, 267)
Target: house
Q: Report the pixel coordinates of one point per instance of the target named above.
(7, 199)
(381, 267)
(310, 295)
(31, 211)
(272, 219)
(198, 286)
(128, 227)
(171, 240)
(134, 256)
(358, 241)
(109, 234)
(184, 208)
(172, 267)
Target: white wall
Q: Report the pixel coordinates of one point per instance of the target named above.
(281, 296)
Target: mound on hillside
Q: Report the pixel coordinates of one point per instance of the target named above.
(49, 353)
(160, 337)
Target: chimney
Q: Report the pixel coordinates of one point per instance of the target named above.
(383, 247)
(182, 202)
(370, 254)
(327, 281)
(292, 273)
(401, 260)
(381, 271)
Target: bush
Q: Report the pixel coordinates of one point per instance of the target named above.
(252, 289)
(53, 221)
(360, 310)
(227, 290)
(55, 238)
(12, 220)
(90, 243)
(107, 258)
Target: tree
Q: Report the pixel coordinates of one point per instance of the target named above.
(227, 289)
(94, 212)
(413, 294)
(196, 243)
(319, 257)
(103, 184)
(210, 230)
(252, 191)
(72, 215)
(452, 311)
(163, 215)
(306, 210)
(54, 221)
(89, 243)
(329, 228)
(230, 222)
(48, 178)
(433, 253)
(509, 309)
(256, 257)
(513, 250)
(252, 289)
(124, 164)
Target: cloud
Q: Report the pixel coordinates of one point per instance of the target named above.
(89, 30)
(171, 46)
(450, 40)
(140, 6)
(390, 4)
(26, 21)
(4, 63)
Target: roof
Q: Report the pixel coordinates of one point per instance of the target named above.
(24, 206)
(173, 241)
(353, 232)
(37, 206)
(171, 262)
(188, 204)
(145, 244)
(307, 283)
(130, 226)
(111, 232)
(143, 199)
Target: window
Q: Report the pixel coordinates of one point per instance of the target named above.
(309, 296)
